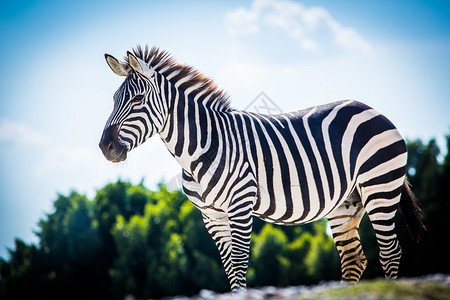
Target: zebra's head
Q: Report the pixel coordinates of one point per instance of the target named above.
(137, 113)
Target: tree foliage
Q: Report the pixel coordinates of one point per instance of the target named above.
(130, 240)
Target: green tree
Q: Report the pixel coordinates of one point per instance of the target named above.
(20, 272)
(293, 255)
(165, 251)
(267, 257)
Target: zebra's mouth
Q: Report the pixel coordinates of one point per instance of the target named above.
(114, 149)
(121, 157)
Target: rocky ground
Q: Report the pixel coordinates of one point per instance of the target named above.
(428, 287)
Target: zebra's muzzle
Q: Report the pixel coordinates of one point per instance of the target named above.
(112, 148)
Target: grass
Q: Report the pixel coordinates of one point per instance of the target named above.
(381, 289)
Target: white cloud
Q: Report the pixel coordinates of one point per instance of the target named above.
(245, 75)
(65, 159)
(20, 133)
(307, 26)
(84, 167)
(242, 22)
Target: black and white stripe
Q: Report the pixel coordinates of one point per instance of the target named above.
(137, 112)
(337, 160)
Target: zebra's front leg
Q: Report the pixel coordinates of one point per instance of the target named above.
(240, 218)
(232, 238)
(231, 233)
(218, 227)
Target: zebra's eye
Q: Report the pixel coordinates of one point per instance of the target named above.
(138, 98)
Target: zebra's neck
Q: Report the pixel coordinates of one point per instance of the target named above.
(190, 132)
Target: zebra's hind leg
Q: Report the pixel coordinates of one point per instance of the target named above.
(344, 222)
(381, 208)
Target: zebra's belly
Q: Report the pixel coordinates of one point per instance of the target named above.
(291, 206)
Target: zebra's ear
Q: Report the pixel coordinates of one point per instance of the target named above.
(115, 65)
(138, 65)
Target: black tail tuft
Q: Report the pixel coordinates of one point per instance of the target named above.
(412, 212)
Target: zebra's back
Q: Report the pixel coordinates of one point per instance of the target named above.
(307, 162)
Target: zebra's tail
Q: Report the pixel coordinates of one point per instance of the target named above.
(412, 212)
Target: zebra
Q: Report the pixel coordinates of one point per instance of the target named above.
(339, 160)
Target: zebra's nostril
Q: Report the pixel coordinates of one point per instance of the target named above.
(110, 146)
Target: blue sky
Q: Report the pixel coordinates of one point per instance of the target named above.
(56, 89)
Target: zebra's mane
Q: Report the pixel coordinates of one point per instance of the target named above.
(163, 63)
